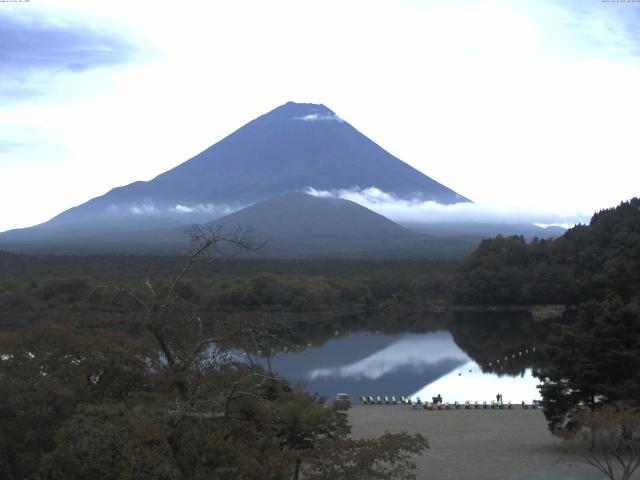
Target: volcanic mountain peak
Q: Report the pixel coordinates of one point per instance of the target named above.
(294, 147)
(293, 109)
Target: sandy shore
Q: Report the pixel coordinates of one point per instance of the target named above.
(477, 444)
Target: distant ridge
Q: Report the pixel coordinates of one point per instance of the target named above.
(484, 229)
(293, 225)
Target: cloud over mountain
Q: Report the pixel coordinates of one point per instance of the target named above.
(417, 210)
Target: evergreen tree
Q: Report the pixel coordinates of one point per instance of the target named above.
(594, 362)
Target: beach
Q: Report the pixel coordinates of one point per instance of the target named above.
(477, 444)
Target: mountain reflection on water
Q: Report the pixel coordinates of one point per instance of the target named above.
(409, 364)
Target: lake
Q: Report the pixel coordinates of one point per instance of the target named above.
(412, 364)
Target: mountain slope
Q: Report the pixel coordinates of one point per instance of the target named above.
(301, 225)
(296, 223)
(288, 149)
(293, 225)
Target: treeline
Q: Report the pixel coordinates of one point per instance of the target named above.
(586, 263)
(44, 286)
(129, 267)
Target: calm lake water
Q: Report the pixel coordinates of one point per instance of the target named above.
(410, 364)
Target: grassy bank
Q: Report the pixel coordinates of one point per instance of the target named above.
(477, 444)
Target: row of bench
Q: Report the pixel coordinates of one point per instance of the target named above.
(477, 406)
(386, 400)
(392, 400)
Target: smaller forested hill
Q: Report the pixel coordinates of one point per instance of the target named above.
(586, 263)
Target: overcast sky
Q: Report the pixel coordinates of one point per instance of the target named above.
(521, 105)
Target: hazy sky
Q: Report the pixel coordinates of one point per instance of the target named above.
(518, 105)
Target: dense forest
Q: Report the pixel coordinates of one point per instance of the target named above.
(44, 286)
(586, 263)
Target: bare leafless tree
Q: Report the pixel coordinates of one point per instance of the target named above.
(610, 440)
(208, 243)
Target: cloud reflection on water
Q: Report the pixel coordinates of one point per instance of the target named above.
(408, 353)
(416, 364)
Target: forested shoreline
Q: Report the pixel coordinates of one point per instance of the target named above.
(587, 263)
